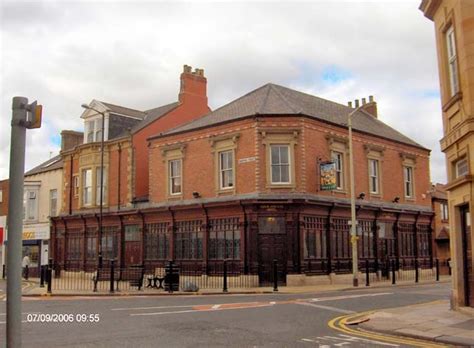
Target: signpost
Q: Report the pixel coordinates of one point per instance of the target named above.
(24, 116)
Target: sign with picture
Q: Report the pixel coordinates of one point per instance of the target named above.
(327, 171)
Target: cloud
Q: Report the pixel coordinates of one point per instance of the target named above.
(132, 54)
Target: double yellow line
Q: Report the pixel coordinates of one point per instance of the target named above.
(341, 324)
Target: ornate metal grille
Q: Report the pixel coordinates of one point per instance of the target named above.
(188, 240)
(224, 239)
(157, 241)
(315, 237)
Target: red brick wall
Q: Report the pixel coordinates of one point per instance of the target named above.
(193, 104)
(199, 172)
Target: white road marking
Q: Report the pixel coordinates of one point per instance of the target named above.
(346, 340)
(349, 296)
(355, 339)
(216, 306)
(273, 302)
(4, 322)
(329, 308)
(307, 340)
(145, 308)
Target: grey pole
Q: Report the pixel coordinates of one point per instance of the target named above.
(15, 221)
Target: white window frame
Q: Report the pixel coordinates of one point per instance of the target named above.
(224, 169)
(30, 204)
(452, 61)
(408, 181)
(93, 128)
(53, 192)
(1, 196)
(338, 158)
(280, 164)
(97, 185)
(374, 176)
(77, 185)
(172, 176)
(86, 189)
(444, 211)
(465, 166)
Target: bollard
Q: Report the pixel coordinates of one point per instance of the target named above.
(49, 275)
(112, 271)
(4, 268)
(275, 275)
(225, 276)
(42, 276)
(416, 271)
(393, 272)
(437, 270)
(367, 280)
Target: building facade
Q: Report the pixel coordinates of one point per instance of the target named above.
(454, 38)
(441, 235)
(243, 183)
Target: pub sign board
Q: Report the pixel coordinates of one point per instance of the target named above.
(327, 172)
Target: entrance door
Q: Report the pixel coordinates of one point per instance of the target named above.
(272, 244)
(467, 257)
(132, 245)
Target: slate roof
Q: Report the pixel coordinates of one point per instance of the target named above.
(154, 114)
(272, 99)
(125, 111)
(53, 163)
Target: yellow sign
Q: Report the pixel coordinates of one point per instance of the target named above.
(354, 239)
(28, 235)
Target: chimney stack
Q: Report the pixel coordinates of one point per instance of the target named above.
(349, 104)
(70, 139)
(193, 90)
(371, 106)
(357, 103)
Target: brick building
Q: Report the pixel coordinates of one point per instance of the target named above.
(453, 23)
(243, 183)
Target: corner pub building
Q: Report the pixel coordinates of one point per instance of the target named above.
(243, 183)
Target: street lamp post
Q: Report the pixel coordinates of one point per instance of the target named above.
(355, 266)
(101, 202)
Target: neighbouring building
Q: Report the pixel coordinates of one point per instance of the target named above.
(439, 205)
(454, 29)
(243, 183)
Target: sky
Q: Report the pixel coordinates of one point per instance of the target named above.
(66, 53)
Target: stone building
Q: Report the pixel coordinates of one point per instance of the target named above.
(243, 183)
(439, 205)
(453, 23)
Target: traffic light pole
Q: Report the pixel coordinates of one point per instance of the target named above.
(24, 116)
(15, 220)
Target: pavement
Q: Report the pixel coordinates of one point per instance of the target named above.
(433, 321)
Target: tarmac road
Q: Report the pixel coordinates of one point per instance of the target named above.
(268, 320)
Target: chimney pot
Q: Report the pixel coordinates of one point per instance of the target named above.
(349, 104)
(371, 98)
(187, 69)
(357, 103)
(364, 101)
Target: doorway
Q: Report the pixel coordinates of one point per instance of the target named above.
(468, 276)
(272, 245)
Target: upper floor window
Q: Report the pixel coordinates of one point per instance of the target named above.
(93, 130)
(462, 167)
(408, 181)
(76, 185)
(87, 187)
(98, 174)
(452, 61)
(1, 196)
(175, 176)
(53, 202)
(444, 211)
(30, 205)
(226, 169)
(337, 157)
(280, 164)
(374, 176)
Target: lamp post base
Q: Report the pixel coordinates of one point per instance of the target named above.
(355, 282)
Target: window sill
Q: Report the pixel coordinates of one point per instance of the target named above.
(452, 101)
(225, 192)
(175, 197)
(282, 186)
(340, 191)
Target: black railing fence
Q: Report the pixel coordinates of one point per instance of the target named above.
(224, 275)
